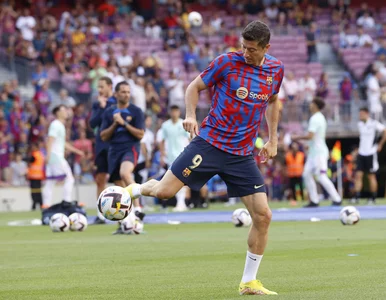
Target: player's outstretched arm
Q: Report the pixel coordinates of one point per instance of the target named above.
(191, 100)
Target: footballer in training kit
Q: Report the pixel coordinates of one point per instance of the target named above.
(246, 85)
(123, 126)
(105, 100)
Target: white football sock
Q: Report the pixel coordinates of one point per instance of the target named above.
(136, 190)
(180, 196)
(329, 187)
(311, 188)
(252, 264)
(138, 208)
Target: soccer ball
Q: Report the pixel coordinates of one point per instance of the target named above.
(59, 222)
(114, 203)
(132, 225)
(349, 215)
(138, 226)
(241, 217)
(195, 19)
(78, 222)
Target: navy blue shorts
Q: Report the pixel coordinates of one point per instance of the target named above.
(200, 161)
(116, 157)
(101, 162)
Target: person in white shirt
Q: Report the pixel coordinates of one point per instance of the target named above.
(216, 22)
(366, 21)
(57, 168)
(124, 60)
(308, 87)
(153, 30)
(364, 40)
(145, 155)
(26, 24)
(374, 96)
(291, 86)
(175, 139)
(139, 93)
(367, 161)
(18, 170)
(317, 157)
(175, 86)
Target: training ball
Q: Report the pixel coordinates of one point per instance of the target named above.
(195, 19)
(78, 222)
(114, 203)
(132, 225)
(241, 217)
(349, 215)
(59, 222)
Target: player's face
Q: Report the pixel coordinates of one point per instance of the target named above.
(363, 116)
(103, 88)
(313, 107)
(175, 114)
(62, 113)
(253, 53)
(123, 95)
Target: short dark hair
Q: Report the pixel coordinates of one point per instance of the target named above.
(57, 108)
(319, 102)
(173, 107)
(257, 31)
(118, 86)
(107, 80)
(365, 109)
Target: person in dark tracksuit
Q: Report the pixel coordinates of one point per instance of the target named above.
(105, 100)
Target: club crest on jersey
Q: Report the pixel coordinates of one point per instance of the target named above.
(129, 118)
(186, 172)
(269, 80)
(242, 92)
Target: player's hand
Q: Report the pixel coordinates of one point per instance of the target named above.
(102, 101)
(118, 118)
(379, 148)
(191, 126)
(268, 151)
(294, 137)
(81, 154)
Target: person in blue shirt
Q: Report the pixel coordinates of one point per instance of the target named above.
(123, 126)
(105, 100)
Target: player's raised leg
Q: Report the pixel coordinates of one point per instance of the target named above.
(260, 212)
(166, 188)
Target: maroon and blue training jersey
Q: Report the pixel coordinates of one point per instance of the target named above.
(241, 94)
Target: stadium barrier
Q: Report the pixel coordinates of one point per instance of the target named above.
(19, 198)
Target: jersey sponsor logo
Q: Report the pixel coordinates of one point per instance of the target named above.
(269, 80)
(264, 97)
(242, 92)
(186, 172)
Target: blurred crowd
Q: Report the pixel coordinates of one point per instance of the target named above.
(92, 40)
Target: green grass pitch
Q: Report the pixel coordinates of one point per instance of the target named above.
(303, 260)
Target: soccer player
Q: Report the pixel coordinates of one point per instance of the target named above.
(246, 84)
(367, 161)
(174, 139)
(57, 167)
(317, 158)
(123, 126)
(105, 100)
